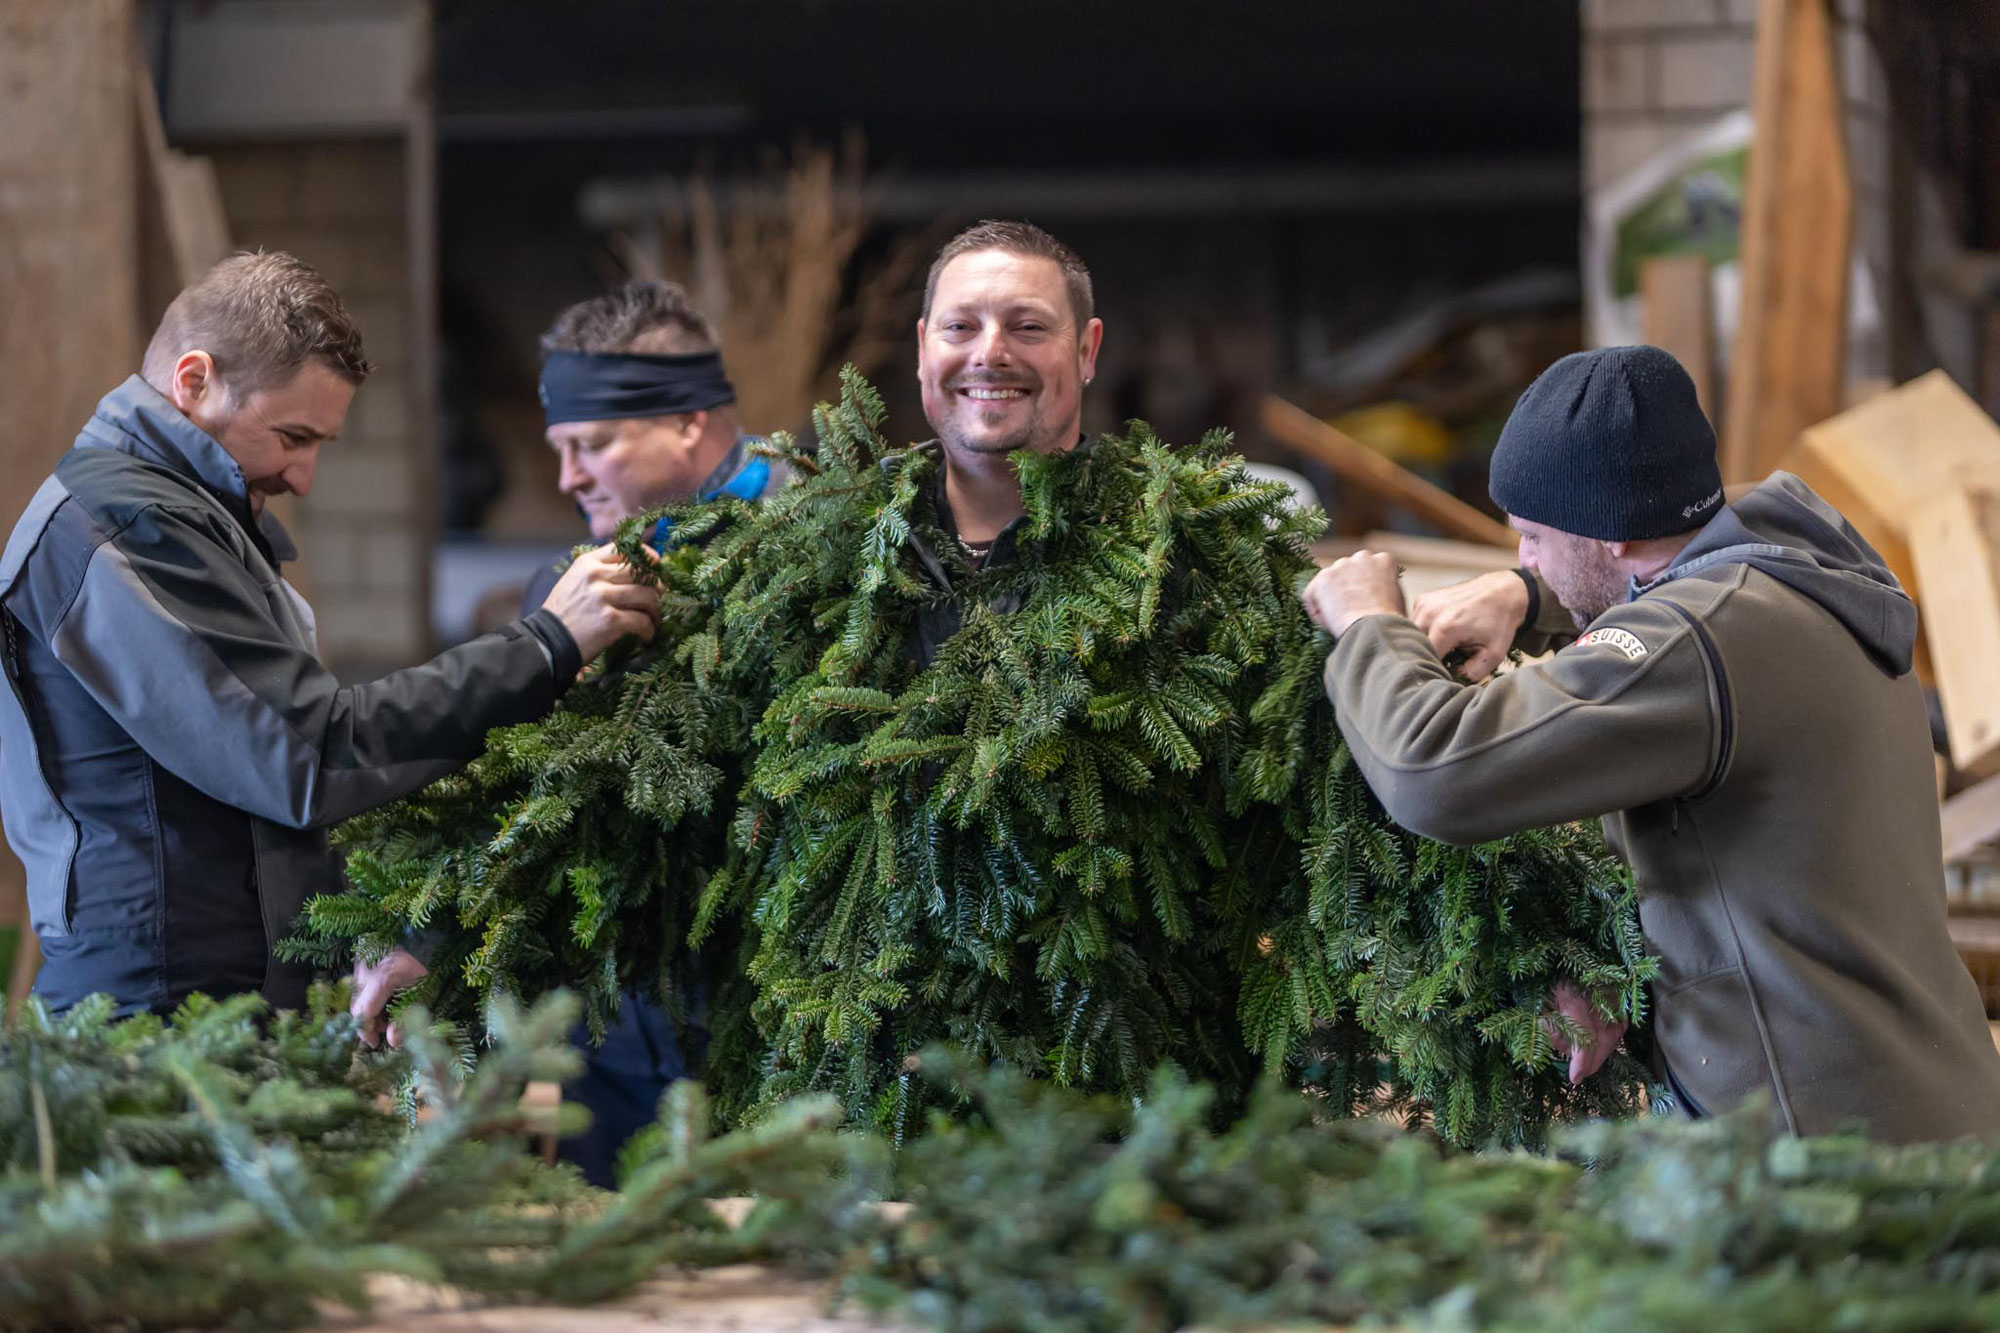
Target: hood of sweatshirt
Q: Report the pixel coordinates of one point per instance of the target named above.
(1786, 530)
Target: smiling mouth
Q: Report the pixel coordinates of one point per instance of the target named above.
(992, 394)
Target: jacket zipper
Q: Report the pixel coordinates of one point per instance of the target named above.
(1725, 711)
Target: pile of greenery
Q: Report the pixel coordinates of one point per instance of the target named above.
(232, 1166)
(1043, 1210)
(228, 1165)
(1085, 811)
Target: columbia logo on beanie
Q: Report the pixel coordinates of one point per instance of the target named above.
(1609, 444)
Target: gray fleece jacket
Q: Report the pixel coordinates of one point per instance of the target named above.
(1749, 730)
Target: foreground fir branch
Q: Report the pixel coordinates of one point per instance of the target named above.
(1045, 1211)
(230, 1166)
(1092, 816)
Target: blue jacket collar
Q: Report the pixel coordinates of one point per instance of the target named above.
(137, 419)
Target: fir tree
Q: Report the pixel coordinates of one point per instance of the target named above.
(560, 858)
(1111, 824)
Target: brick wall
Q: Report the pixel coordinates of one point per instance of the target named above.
(362, 532)
(1656, 71)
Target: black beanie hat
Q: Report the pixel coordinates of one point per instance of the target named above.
(1609, 444)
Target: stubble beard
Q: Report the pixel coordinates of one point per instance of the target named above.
(1592, 596)
(958, 439)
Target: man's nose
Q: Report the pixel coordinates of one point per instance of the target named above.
(991, 347)
(298, 478)
(570, 478)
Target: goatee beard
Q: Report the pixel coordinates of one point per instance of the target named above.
(1024, 438)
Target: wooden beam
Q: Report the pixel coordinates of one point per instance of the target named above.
(69, 265)
(186, 200)
(1442, 552)
(1878, 462)
(1970, 820)
(1955, 541)
(1679, 316)
(1357, 463)
(1798, 218)
(1974, 934)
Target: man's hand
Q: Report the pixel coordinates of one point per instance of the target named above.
(1362, 584)
(599, 601)
(1601, 1038)
(1478, 618)
(375, 984)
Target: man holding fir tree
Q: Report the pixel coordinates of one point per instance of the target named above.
(174, 748)
(1006, 343)
(1741, 712)
(1005, 346)
(640, 414)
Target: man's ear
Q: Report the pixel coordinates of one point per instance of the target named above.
(194, 383)
(693, 424)
(1617, 550)
(1087, 345)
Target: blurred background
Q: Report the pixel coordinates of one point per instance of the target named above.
(1328, 228)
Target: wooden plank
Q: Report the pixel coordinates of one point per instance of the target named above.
(184, 198)
(1973, 934)
(1898, 448)
(1679, 316)
(1955, 541)
(68, 255)
(1971, 820)
(1798, 217)
(739, 1298)
(1442, 553)
(1877, 461)
(1378, 475)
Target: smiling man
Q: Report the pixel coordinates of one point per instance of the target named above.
(171, 748)
(1006, 344)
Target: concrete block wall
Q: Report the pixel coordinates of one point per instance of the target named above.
(1657, 71)
(340, 206)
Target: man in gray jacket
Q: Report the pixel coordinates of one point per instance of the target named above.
(173, 748)
(1741, 712)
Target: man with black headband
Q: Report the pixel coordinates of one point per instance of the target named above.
(173, 747)
(640, 410)
(640, 414)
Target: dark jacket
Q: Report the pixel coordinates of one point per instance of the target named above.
(938, 620)
(171, 747)
(1750, 729)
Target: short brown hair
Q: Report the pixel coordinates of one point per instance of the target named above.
(260, 316)
(644, 318)
(1018, 238)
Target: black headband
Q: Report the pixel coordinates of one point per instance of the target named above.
(594, 386)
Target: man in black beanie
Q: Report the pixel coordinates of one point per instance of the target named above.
(1740, 711)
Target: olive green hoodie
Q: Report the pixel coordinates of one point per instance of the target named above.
(1749, 729)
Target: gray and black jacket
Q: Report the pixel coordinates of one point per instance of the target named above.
(171, 748)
